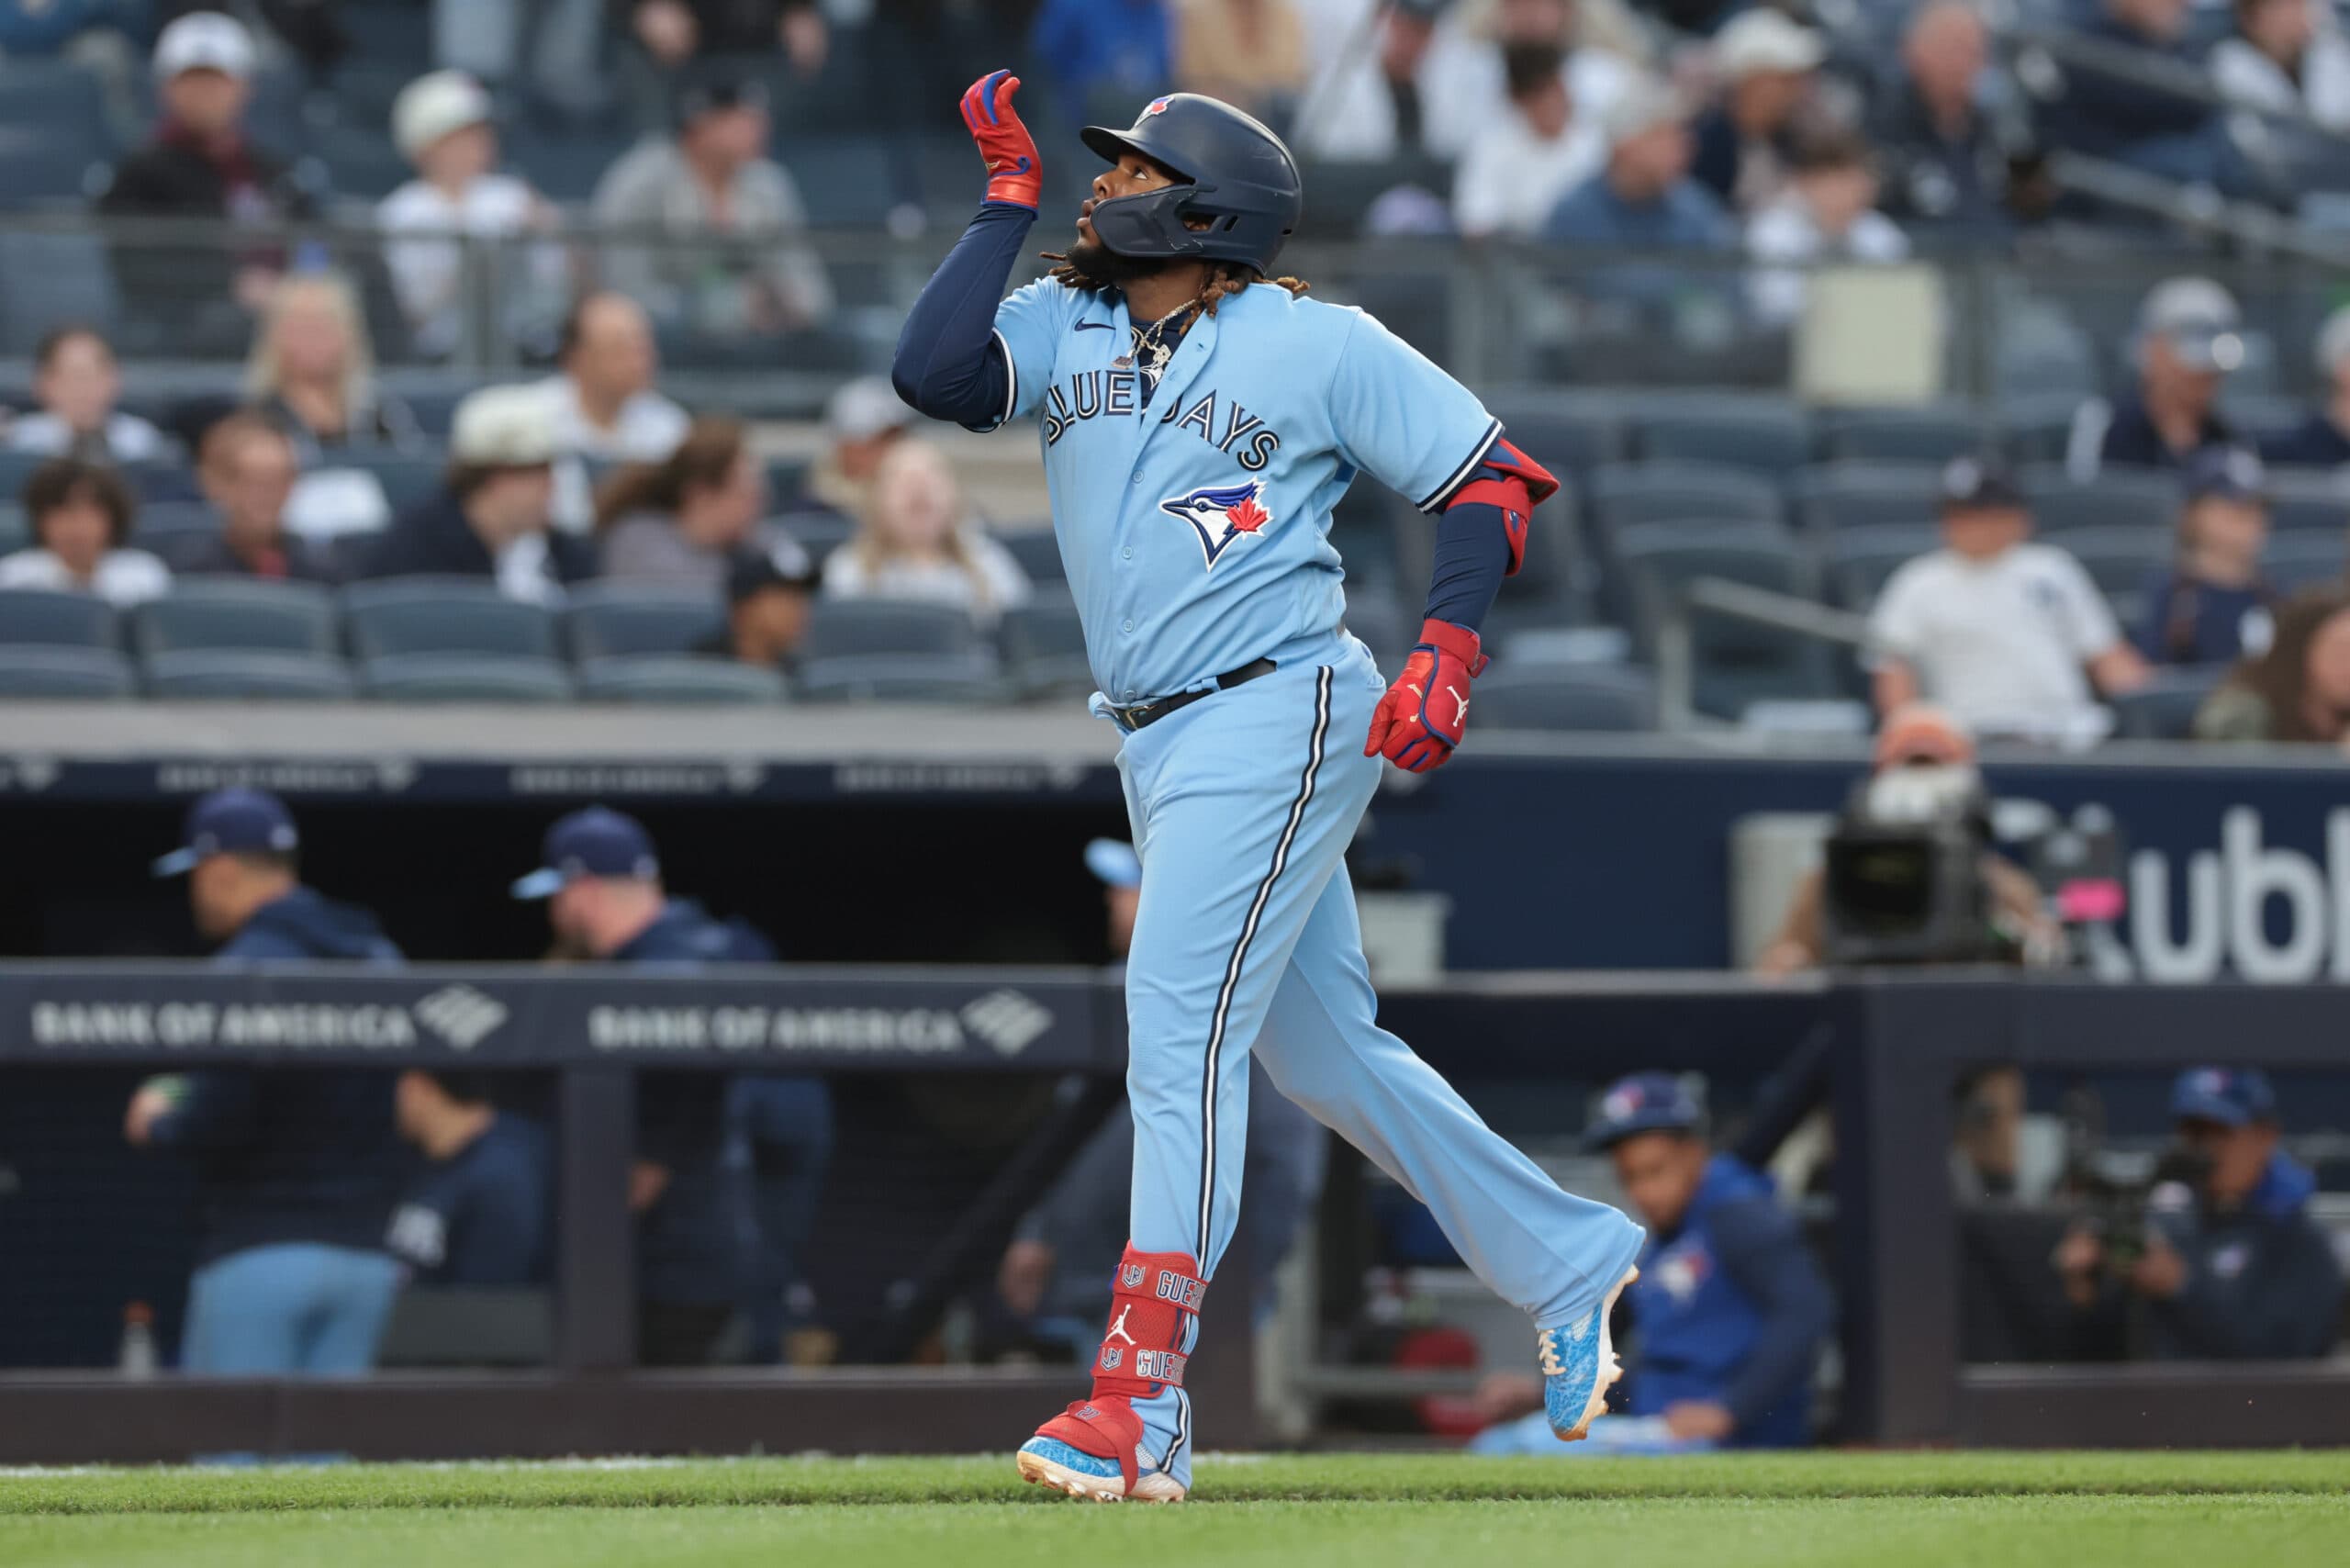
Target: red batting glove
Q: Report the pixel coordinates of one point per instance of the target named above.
(1014, 173)
(1422, 716)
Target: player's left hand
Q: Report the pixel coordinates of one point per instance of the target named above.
(1015, 173)
(1421, 719)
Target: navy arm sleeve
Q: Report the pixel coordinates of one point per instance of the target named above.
(948, 364)
(1471, 558)
(1762, 1249)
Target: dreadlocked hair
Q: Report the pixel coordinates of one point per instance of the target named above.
(1225, 279)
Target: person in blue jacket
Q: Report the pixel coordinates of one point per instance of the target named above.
(602, 880)
(480, 1212)
(2232, 1268)
(296, 1171)
(1729, 1312)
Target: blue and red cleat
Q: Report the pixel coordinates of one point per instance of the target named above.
(1067, 1453)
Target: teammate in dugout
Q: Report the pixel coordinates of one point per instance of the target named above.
(1198, 423)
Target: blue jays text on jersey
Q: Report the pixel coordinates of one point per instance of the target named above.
(1195, 528)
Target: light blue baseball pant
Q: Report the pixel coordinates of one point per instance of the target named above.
(1243, 804)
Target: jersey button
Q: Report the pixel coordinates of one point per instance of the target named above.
(1125, 626)
(1127, 553)
(1135, 480)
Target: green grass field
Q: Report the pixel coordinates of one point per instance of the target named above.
(1818, 1510)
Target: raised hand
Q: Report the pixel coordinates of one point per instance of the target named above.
(1014, 173)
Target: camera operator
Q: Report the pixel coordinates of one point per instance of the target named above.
(2229, 1265)
(1923, 788)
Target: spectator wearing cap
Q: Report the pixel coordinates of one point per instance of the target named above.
(602, 880)
(2008, 634)
(2286, 58)
(296, 1171)
(2296, 692)
(862, 419)
(490, 520)
(77, 385)
(769, 593)
(2119, 115)
(202, 163)
(2210, 605)
(1055, 1277)
(726, 252)
(604, 402)
(479, 1214)
(1520, 167)
(1922, 742)
(1730, 1311)
(916, 542)
(442, 124)
(1942, 129)
(2323, 440)
(2189, 338)
(1767, 65)
(247, 468)
(679, 523)
(1250, 53)
(1643, 199)
(81, 515)
(2234, 1266)
(1827, 214)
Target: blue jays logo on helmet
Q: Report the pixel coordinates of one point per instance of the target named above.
(1220, 514)
(1155, 106)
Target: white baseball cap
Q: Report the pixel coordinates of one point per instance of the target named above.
(205, 40)
(504, 426)
(1765, 41)
(1644, 104)
(433, 106)
(863, 408)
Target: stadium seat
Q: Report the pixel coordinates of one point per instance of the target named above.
(1611, 698)
(677, 678)
(1765, 435)
(15, 467)
(2164, 710)
(1043, 648)
(2037, 428)
(407, 479)
(1039, 553)
(845, 628)
(1835, 497)
(2297, 561)
(1860, 560)
(13, 534)
(847, 182)
(1562, 431)
(63, 672)
(163, 481)
(1933, 434)
(1736, 662)
(240, 613)
(2306, 500)
(623, 620)
(48, 275)
(465, 678)
(56, 620)
(2116, 498)
(963, 678)
(443, 615)
(2119, 559)
(217, 675)
(1625, 495)
(174, 520)
(819, 533)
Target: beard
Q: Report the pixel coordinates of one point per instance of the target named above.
(1101, 267)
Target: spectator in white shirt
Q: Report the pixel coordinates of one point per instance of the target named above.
(77, 383)
(915, 543)
(2008, 634)
(1827, 214)
(1514, 173)
(443, 125)
(2287, 57)
(1388, 80)
(603, 404)
(81, 515)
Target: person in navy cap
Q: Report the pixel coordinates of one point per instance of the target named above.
(1729, 1309)
(2232, 1267)
(602, 880)
(2210, 605)
(296, 1171)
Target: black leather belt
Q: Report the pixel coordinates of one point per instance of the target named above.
(1142, 715)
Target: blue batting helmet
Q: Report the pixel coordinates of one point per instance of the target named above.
(1241, 178)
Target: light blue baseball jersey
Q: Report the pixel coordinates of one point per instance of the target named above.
(1196, 531)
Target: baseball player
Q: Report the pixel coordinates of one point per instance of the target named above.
(1199, 420)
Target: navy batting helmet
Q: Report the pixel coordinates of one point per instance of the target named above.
(1241, 179)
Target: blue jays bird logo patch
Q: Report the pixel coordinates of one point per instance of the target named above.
(1220, 514)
